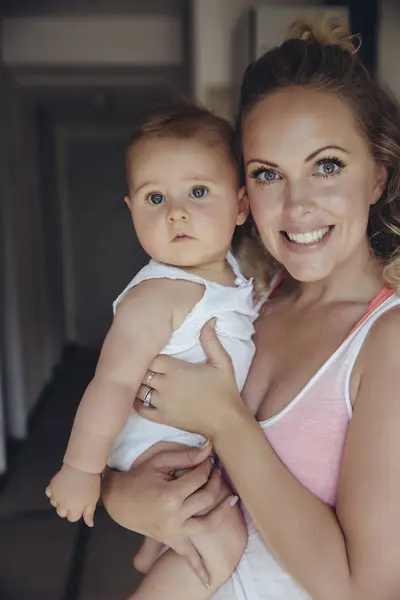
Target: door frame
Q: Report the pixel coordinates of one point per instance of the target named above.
(65, 133)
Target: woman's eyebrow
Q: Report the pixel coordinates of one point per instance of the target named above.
(309, 157)
(314, 154)
(263, 162)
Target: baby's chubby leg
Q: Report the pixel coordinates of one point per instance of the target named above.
(221, 548)
(147, 555)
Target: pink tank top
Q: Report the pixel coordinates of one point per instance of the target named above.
(308, 435)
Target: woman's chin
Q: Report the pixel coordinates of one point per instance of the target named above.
(308, 273)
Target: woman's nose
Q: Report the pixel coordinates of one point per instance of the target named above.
(299, 199)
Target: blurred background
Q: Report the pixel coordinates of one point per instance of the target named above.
(75, 78)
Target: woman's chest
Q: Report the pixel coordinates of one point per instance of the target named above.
(291, 350)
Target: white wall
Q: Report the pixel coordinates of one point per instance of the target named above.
(389, 45)
(213, 25)
(113, 40)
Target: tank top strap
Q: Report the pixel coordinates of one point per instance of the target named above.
(353, 344)
(378, 301)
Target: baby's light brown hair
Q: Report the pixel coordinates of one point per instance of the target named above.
(186, 121)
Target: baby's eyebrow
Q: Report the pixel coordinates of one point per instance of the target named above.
(200, 179)
(146, 184)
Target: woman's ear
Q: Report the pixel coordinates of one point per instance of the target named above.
(243, 205)
(380, 182)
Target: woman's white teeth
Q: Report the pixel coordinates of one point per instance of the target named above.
(308, 238)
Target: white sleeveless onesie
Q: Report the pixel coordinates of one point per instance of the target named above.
(233, 308)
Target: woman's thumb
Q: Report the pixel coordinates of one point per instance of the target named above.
(183, 459)
(212, 347)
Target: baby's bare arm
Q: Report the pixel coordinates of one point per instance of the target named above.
(142, 326)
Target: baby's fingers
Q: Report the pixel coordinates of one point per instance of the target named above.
(53, 501)
(74, 515)
(62, 512)
(88, 515)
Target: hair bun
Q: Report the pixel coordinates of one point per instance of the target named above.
(330, 30)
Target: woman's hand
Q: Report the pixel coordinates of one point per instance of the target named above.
(200, 398)
(149, 500)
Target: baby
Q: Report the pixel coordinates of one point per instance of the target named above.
(185, 200)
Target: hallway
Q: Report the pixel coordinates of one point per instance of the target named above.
(43, 557)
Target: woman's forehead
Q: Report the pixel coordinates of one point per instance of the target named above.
(300, 119)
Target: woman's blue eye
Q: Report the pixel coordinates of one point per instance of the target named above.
(198, 192)
(156, 199)
(328, 168)
(264, 175)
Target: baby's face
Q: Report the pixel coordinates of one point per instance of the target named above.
(184, 200)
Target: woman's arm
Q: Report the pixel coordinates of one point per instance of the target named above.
(356, 554)
(149, 500)
(353, 554)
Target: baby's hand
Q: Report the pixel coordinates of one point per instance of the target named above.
(74, 494)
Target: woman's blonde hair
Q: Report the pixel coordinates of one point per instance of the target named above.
(322, 54)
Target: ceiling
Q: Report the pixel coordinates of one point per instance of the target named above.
(30, 8)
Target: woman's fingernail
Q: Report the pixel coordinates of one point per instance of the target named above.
(234, 500)
(218, 471)
(214, 322)
(204, 444)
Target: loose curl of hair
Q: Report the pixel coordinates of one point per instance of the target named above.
(323, 55)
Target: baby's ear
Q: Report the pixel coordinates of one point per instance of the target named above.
(243, 204)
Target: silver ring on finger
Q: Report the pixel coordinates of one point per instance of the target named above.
(147, 398)
(150, 378)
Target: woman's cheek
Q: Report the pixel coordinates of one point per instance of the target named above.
(263, 206)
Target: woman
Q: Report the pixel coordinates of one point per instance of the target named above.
(318, 470)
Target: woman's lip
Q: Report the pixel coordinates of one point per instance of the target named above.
(303, 248)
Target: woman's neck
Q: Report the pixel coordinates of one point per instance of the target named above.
(359, 279)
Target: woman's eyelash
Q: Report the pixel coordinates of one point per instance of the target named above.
(333, 159)
(258, 171)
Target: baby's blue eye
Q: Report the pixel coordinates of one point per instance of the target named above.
(198, 192)
(156, 199)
